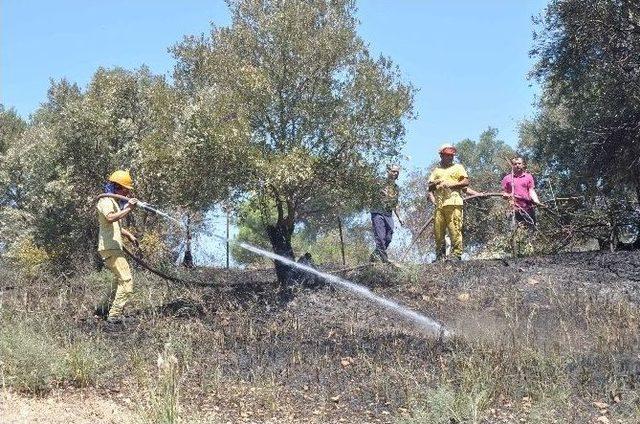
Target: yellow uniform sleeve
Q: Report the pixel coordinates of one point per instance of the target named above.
(106, 206)
(462, 173)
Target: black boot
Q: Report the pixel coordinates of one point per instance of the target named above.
(101, 312)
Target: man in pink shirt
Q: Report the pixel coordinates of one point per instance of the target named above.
(521, 188)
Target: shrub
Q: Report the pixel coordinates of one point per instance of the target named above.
(84, 363)
(446, 405)
(31, 259)
(31, 361)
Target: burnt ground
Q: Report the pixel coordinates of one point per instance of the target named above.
(538, 339)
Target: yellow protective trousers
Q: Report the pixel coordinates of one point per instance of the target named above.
(120, 290)
(448, 218)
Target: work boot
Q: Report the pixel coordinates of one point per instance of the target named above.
(454, 258)
(101, 312)
(118, 323)
(114, 325)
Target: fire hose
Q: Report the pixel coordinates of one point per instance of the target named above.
(424, 321)
(139, 259)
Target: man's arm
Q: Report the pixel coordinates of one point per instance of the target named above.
(534, 196)
(460, 184)
(472, 192)
(130, 236)
(117, 216)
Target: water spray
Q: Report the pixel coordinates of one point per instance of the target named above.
(422, 321)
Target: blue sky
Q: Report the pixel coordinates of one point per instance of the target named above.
(468, 58)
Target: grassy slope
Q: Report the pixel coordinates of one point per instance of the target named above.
(539, 339)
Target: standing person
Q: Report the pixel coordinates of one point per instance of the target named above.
(520, 187)
(110, 245)
(446, 184)
(384, 205)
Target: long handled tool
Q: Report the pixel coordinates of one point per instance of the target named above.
(415, 239)
(430, 220)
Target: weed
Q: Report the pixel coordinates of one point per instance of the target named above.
(32, 360)
(164, 392)
(85, 362)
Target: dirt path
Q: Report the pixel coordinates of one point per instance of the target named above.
(81, 407)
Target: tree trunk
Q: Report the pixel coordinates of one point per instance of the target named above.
(187, 261)
(280, 238)
(636, 243)
(280, 235)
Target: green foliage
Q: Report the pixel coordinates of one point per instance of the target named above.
(586, 135)
(286, 106)
(124, 119)
(11, 127)
(486, 160)
(318, 237)
(478, 374)
(31, 259)
(445, 405)
(324, 246)
(251, 229)
(32, 359)
(85, 362)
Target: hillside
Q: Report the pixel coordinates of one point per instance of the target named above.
(542, 339)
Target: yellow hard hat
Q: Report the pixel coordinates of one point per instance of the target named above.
(122, 178)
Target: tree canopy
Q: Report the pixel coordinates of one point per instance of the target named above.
(586, 135)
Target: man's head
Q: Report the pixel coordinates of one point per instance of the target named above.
(447, 152)
(519, 165)
(122, 182)
(393, 171)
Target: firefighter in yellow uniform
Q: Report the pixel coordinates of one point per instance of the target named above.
(110, 249)
(446, 183)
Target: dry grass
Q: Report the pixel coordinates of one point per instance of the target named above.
(535, 341)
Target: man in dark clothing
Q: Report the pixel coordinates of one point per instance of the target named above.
(384, 205)
(306, 278)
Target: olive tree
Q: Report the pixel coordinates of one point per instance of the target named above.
(318, 111)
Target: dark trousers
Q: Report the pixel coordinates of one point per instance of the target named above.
(382, 230)
(526, 217)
